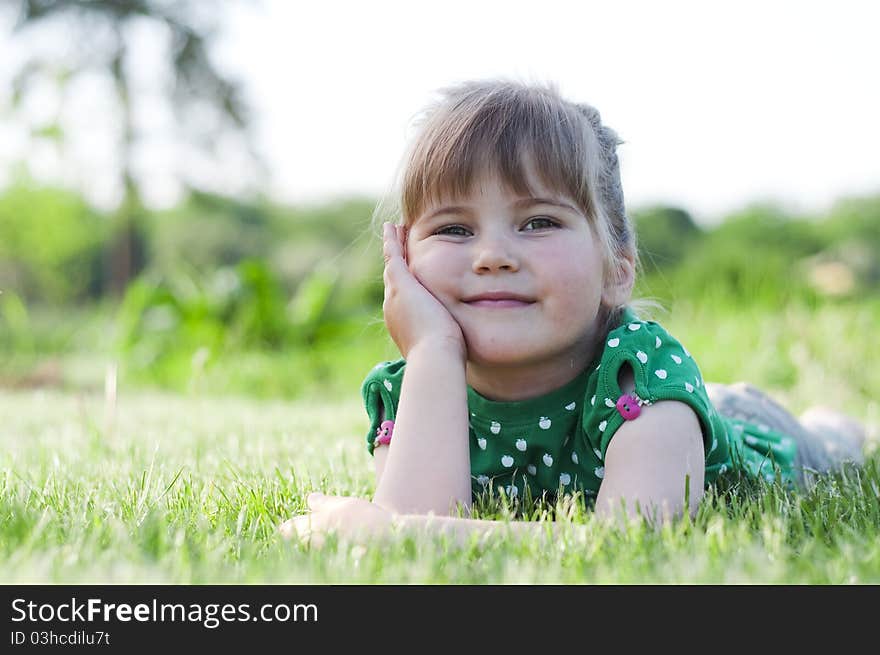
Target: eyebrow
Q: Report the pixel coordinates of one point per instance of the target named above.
(522, 203)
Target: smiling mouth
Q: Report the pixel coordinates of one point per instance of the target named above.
(500, 303)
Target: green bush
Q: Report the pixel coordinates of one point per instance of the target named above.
(755, 256)
(665, 235)
(51, 244)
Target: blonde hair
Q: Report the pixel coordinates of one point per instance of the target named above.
(490, 126)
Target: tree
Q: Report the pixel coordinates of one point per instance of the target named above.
(98, 32)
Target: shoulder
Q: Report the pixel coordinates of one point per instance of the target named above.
(388, 374)
(381, 393)
(657, 361)
(643, 365)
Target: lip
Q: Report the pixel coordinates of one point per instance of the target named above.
(499, 299)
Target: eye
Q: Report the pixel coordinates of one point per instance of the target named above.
(452, 230)
(542, 221)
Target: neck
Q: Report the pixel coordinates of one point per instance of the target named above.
(513, 382)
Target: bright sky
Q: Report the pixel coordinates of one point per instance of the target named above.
(719, 106)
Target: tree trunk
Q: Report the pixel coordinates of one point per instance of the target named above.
(125, 257)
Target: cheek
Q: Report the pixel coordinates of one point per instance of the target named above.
(577, 284)
(431, 269)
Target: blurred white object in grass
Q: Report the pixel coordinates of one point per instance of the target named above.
(110, 400)
(832, 278)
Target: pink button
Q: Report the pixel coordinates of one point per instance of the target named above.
(383, 432)
(628, 407)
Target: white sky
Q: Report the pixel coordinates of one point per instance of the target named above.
(720, 105)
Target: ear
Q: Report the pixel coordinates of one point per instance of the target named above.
(619, 283)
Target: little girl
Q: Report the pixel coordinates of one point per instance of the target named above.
(525, 368)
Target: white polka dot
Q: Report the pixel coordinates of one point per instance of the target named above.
(613, 343)
(593, 400)
(750, 440)
(609, 402)
(387, 384)
(512, 491)
(545, 423)
(676, 359)
(602, 426)
(574, 458)
(598, 454)
(570, 406)
(660, 373)
(722, 468)
(657, 342)
(689, 387)
(714, 444)
(483, 479)
(547, 459)
(564, 479)
(697, 380)
(495, 428)
(642, 357)
(531, 469)
(507, 461)
(634, 326)
(481, 443)
(599, 471)
(521, 445)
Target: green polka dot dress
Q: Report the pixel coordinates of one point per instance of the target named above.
(557, 442)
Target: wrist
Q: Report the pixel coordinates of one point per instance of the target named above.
(450, 348)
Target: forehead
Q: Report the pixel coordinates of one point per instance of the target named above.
(518, 191)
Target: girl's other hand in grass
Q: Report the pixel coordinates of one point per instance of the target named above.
(348, 517)
(412, 314)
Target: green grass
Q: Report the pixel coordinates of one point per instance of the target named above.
(190, 488)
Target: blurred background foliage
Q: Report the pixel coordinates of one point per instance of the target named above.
(240, 294)
(259, 298)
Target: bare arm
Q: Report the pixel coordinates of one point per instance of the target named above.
(655, 462)
(426, 467)
(652, 462)
(462, 530)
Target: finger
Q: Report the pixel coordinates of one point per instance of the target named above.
(293, 527)
(287, 529)
(401, 236)
(390, 242)
(303, 526)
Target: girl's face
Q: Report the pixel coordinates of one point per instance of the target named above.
(493, 242)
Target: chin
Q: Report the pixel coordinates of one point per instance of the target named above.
(515, 352)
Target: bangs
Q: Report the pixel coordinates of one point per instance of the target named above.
(494, 134)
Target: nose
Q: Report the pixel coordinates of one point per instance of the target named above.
(494, 253)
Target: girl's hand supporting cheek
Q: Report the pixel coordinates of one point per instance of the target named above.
(413, 315)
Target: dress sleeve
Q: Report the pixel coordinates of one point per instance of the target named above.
(381, 389)
(663, 369)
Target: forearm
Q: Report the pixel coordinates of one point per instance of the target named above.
(428, 464)
(463, 530)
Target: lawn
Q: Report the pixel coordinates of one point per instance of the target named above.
(175, 488)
